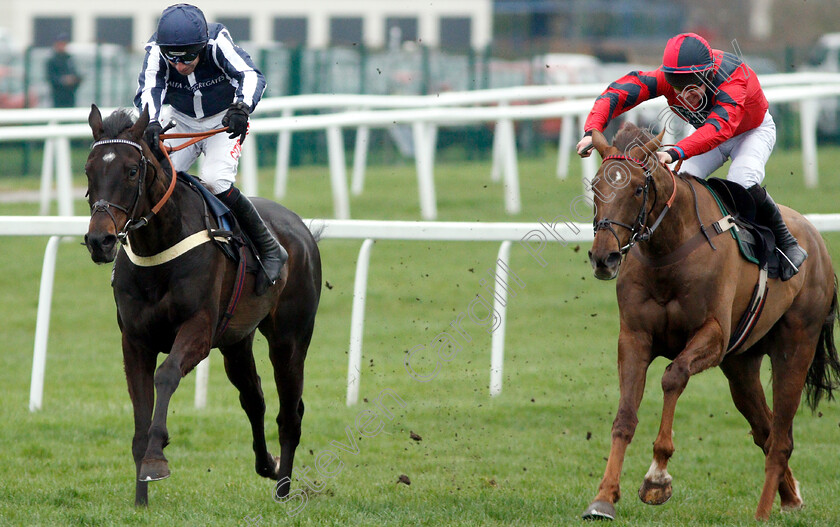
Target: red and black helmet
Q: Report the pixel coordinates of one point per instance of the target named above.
(687, 55)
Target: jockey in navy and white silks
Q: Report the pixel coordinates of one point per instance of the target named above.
(208, 82)
(720, 95)
(225, 75)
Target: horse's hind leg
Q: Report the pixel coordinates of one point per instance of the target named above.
(744, 375)
(242, 372)
(791, 355)
(287, 357)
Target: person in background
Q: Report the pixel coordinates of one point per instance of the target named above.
(208, 82)
(62, 75)
(718, 94)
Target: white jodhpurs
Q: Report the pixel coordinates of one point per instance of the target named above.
(749, 153)
(221, 154)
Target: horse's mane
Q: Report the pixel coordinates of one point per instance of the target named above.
(117, 122)
(630, 135)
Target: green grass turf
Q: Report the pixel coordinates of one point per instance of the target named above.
(532, 456)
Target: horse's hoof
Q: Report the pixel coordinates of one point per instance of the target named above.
(655, 493)
(793, 507)
(599, 510)
(271, 468)
(154, 470)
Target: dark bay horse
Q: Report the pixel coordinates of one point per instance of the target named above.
(174, 302)
(684, 304)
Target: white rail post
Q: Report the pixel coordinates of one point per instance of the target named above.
(47, 170)
(338, 173)
(357, 323)
(513, 202)
(808, 111)
(248, 163)
(64, 177)
(424, 148)
(588, 169)
(284, 149)
(565, 145)
(202, 376)
(360, 159)
(497, 353)
(42, 325)
(498, 150)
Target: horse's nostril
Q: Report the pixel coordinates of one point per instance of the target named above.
(614, 258)
(109, 241)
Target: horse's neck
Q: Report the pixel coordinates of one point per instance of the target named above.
(180, 216)
(679, 224)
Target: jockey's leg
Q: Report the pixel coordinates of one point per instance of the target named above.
(218, 174)
(704, 165)
(750, 152)
(272, 254)
(768, 214)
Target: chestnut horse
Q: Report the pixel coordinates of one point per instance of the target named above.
(684, 304)
(179, 302)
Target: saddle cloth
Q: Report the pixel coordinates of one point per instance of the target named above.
(755, 241)
(228, 229)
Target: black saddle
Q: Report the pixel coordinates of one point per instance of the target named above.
(756, 241)
(228, 228)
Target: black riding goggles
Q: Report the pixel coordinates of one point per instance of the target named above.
(182, 55)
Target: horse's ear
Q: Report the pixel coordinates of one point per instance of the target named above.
(649, 149)
(95, 122)
(600, 143)
(141, 124)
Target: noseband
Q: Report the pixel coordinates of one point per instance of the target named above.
(106, 206)
(639, 231)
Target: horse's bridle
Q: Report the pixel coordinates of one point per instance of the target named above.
(639, 231)
(105, 206)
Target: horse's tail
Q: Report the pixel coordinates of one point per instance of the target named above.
(824, 373)
(317, 231)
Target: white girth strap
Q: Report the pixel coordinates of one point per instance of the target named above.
(185, 245)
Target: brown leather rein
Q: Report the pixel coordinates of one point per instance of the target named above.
(195, 137)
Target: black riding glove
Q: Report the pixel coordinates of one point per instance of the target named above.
(152, 136)
(236, 120)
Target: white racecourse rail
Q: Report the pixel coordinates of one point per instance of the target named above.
(524, 233)
(424, 113)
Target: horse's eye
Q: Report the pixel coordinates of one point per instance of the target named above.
(639, 190)
(132, 172)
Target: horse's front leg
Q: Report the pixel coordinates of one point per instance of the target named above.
(192, 344)
(139, 373)
(704, 350)
(633, 362)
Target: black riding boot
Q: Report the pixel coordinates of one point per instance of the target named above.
(767, 213)
(272, 254)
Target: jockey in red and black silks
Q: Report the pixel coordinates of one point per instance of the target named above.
(733, 104)
(721, 97)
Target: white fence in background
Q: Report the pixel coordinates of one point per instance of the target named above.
(367, 230)
(425, 114)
